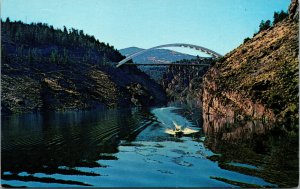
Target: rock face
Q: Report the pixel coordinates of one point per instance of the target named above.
(294, 10)
(43, 74)
(259, 79)
(184, 82)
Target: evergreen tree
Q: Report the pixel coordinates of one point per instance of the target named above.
(246, 39)
(65, 30)
(29, 55)
(279, 16)
(3, 53)
(37, 35)
(34, 54)
(20, 50)
(264, 25)
(104, 60)
(65, 56)
(54, 56)
(18, 36)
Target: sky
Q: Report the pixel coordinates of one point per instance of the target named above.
(220, 25)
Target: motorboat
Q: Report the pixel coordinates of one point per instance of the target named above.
(178, 131)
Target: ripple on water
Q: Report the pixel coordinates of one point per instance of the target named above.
(110, 149)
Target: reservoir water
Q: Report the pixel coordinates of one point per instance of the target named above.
(129, 148)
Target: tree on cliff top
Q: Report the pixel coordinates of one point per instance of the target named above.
(279, 16)
(264, 25)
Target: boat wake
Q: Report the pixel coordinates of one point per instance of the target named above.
(178, 131)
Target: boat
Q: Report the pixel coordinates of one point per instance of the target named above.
(178, 131)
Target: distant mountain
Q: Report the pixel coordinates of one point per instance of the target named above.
(155, 55)
(130, 50)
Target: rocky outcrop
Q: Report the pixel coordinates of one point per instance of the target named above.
(20, 98)
(294, 10)
(231, 103)
(259, 79)
(184, 82)
(139, 95)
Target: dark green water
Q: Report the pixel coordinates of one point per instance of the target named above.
(128, 147)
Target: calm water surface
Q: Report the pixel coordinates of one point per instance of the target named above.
(128, 147)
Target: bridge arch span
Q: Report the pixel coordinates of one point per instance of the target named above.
(196, 47)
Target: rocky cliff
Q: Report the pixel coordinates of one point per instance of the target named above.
(259, 79)
(47, 69)
(184, 82)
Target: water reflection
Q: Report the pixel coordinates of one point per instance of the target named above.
(44, 143)
(129, 148)
(253, 148)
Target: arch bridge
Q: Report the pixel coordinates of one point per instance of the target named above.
(184, 45)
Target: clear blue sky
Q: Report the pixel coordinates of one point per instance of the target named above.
(220, 25)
